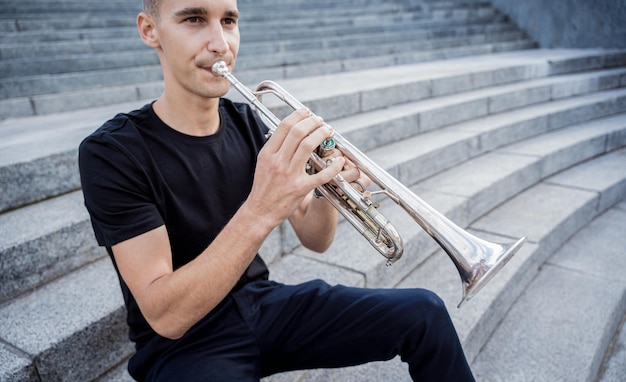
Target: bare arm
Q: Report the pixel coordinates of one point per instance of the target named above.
(173, 301)
(315, 223)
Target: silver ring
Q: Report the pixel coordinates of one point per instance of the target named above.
(360, 184)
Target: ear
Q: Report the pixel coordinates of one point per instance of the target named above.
(147, 30)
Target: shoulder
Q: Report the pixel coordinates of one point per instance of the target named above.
(116, 145)
(123, 130)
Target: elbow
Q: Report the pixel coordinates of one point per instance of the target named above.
(169, 331)
(167, 326)
(172, 336)
(318, 246)
(173, 326)
(317, 242)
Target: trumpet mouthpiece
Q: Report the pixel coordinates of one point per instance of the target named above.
(220, 68)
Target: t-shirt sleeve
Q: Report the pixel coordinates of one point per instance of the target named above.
(118, 196)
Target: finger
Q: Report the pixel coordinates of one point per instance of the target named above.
(351, 174)
(364, 181)
(325, 175)
(306, 137)
(282, 130)
(298, 134)
(358, 185)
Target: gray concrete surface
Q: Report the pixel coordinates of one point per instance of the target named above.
(570, 23)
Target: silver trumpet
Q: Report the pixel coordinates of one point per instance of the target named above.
(476, 260)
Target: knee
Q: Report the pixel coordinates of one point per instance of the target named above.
(430, 311)
(429, 323)
(429, 303)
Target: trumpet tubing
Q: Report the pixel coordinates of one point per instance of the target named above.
(477, 260)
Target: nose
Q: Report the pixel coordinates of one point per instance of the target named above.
(217, 40)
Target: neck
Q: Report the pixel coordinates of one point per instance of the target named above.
(195, 116)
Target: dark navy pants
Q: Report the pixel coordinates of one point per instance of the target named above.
(266, 328)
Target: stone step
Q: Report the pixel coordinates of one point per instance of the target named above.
(389, 50)
(29, 264)
(27, 267)
(594, 186)
(53, 68)
(26, 163)
(77, 63)
(112, 7)
(384, 86)
(44, 241)
(541, 101)
(255, 40)
(500, 129)
(58, 9)
(133, 53)
(568, 202)
(614, 363)
(259, 30)
(48, 94)
(252, 10)
(573, 309)
(95, 55)
(41, 152)
(467, 188)
(34, 173)
(254, 30)
(77, 317)
(11, 24)
(34, 19)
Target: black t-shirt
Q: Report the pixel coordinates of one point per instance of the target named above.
(137, 174)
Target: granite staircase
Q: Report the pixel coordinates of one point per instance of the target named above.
(450, 97)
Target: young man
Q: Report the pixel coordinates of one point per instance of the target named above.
(184, 191)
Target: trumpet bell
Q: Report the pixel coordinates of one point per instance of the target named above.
(477, 271)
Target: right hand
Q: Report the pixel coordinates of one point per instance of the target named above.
(281, 181)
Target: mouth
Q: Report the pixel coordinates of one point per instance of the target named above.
(220, 68)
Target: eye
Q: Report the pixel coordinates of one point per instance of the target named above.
(193, 20)
(229, 21)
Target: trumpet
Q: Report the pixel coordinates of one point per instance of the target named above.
(477, 260)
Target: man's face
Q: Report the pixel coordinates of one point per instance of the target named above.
(194, 34)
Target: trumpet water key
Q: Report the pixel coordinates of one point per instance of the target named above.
(477, 260)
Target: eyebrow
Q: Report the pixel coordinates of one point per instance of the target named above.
(191, 12)
(232, 13)
(195, 11)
